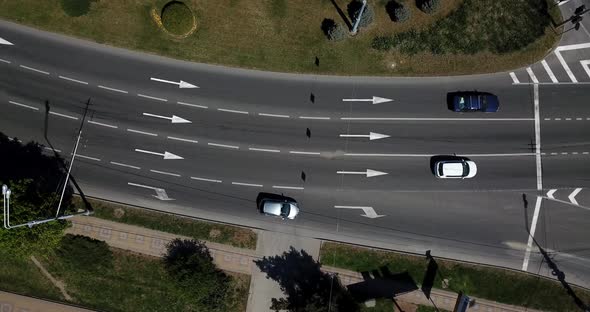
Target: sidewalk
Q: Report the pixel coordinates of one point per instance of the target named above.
(10, 302)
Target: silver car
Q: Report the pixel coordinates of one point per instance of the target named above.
(277, 205)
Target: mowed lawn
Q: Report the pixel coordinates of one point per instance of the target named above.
(276, 35)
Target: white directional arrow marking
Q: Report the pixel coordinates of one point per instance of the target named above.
(369, 173)
(174, 118)
(5, 42)
(160, 192)
(369, 211)
(572, 196)
(372, 136)
(551, 192)
(181, 84)
(166, 155)
(375, 100)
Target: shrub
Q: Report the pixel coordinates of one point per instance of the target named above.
(428, 6)
(81, 252)
(75, 8)
(354, 8)
(177, 18)
(382, 43)
(332, 30)
(397, 11)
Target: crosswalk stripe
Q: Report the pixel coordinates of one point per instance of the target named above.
(532, 75)
(549, 71)
(514, 78)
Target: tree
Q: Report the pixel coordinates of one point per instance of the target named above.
(333, 30)
(428, 6)
(354, 9)
(397, 11)
(191, 265)
(307, 288)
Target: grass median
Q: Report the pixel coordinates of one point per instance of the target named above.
(200, 230)
(286, 36)
(495, 284)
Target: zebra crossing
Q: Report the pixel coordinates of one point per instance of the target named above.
(554, 69)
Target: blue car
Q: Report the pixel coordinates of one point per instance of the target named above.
(474, 102)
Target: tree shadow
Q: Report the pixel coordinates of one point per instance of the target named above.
(342, 15)
(327, 24)
(381, 283)
(390, 8)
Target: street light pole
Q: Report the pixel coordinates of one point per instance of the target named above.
(6, 195)
(358, 19)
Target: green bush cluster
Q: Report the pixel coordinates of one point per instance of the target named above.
(75, 8)
(82, 252)
(333, 30)
(177, 18)
(428, 6)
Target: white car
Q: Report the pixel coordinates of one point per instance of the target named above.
(455, 169)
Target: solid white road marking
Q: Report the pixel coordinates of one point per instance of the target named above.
(514, 78)
(372, 136)
(430, 155)
(314, 118)
(572, 196)
(549, 71)
(273, 115)
(152, 97)
(223, 145)
(551, 192)
(165, 155)
(264, 150)
(287, 187)
(538, 138)
(246, 184)
(527, 254)
(232, 111)
(165, 173)
(124, 165)
(192, 105)
(73, 80)
(573, 47)
(374, 100)
(102, 124)
(368, 173)
(23, 105)
(206, 180)
(141, 185)
(369, 211)
(5, 61)
(560, 3)
(173, 119)
(63, 115)
(183, 140)
(34, 69)
(586, 66)
(304, 153)
(113, 89)
(160, 192)
(532, 75)
(141, 132)
(181, 84)
(88, 157)
(432, 119)
(5, 42)
(565, 66)
(49, 148)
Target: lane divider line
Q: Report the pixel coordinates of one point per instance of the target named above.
(181, 139)
(113, 89)
(223, 145)
(274, 115)
(34, 69)
(141, 132)
(102, 124)
(264, 150)
(246, 184)
(23, 105)
(206, 180)
(73, 80)
(192, 105)
(165, 173)
(314, 118)
(87, 157)
(232, 111)
(63, 115)
(124, 165)
(152, 97)
(287, 187)
(304, 153)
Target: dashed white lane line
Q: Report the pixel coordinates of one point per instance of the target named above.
(152, 97)
(264, 150)
(223, 145)
(553, 153)
(585, 153)
(88, 157)
(532, 75)
(547, 118)
(287, 187)
(527, 254)
(141, 132)
(165, 173)
(314, 118)
(549, 71)
(246, 184)
(183, 140)
(578, 118)
(50, 149)
(5, 61)
(557, 119)
(73, 80)
(432, 119)
(192, 105)
(232, 111)
(206, 180)
(514, 78)
(23, 105)
(124, 165)
(273, 115)
(113, 89)
(304, 153)
(563, 153)
(34, 69)
(63, 115)
(102, 124)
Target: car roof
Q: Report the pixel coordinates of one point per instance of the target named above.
(453, 169)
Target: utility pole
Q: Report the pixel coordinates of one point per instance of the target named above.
(358, 18)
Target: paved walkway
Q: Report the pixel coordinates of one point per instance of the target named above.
(10, 302)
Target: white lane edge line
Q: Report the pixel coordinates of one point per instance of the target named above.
(273, 115)
(141, 185)
(538, 138)
(23, 105)
(5, 61)
(565, 66)
(304, 153)
(124, 165)
(49, 148)
(246, 184)
(353, 207)
(549, 71)
(181, 139)
(314, 118)
(73, 80)
(430, 155)
(63, 115)
(88, 157)
(287, 187)
(165, 173)
(433, 119)
(527, 254)
(192, 105)
(264, 150)
(113, 89)
(532, 75)
(514, 78)
(232, 111)
(223, 145)
(206, 180)
(34, 69)
(141, 132)
(152, 97)
(102, 124)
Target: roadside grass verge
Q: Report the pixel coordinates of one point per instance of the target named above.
(20, 275)
(495, 284)
(276, 35)
(200, 230)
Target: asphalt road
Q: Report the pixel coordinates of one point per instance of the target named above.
(254, 131)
